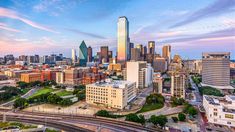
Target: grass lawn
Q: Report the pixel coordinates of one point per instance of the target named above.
(64, 93)
(21, 125)
(206, 90)
(149, 107)
(43, 91)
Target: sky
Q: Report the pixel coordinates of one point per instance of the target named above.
(56, 26)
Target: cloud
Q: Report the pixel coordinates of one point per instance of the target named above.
(86, 33)
(230, 32)
(4, 12)
(216, 8)
(5, 27)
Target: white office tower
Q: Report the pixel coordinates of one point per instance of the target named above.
(140, 72)
(123, 39)
(220, 110)
(74, 56)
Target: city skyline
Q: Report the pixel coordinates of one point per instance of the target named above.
(184, 26)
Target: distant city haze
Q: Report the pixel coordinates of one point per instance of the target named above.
(44, 27)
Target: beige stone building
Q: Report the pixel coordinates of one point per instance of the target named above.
(113, 94)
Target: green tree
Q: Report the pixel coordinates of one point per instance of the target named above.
(20, 103)
(160, 120)
(54, 99)
(135, 118)
(192, 111)
(181, 117)
(103, 113)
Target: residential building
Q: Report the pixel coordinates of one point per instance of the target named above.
(220, 110)
(123, 39)
(178, 85)
(157, 82)
(113, 94)
(216, 69)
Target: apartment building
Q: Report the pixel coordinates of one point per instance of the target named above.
(178, 85)
(113, 94)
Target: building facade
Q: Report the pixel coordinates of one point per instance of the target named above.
(166, 53)
(220, 110)
(216, 69)
(30, 77)
(123, 39)
(178, 85)
(113, 94)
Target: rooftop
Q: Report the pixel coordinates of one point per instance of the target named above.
(112, 83)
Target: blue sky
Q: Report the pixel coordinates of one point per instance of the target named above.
(56, 26)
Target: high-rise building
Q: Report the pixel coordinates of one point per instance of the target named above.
(216, 69)
(140, 72)
(166, 53)
(89, 54)
(178, 85)
(104, 54)
(131, 45)
(83, 53)
(157, 82)
(110, 54)
(135, 54)
(159, 64)
(74, 56)
(151, 47)
(123, 39)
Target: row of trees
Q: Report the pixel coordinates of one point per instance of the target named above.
(43, 98)
(22, 84)
(9, 92)
(177, 101)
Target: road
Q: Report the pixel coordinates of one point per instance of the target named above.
(74, 120)
(196, 93)
(197, 103)
(163, 111)
(28, 94)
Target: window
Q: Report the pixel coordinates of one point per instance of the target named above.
(229, 116)
(215, 109)
(229, 123)
(215, 113)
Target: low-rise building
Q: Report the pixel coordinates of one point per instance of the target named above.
(30, 77)
(113, 94)
(220, 110)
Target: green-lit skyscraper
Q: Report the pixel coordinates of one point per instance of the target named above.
(83, 54)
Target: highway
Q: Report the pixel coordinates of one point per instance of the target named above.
(68, 122)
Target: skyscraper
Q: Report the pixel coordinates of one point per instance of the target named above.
(74, 56)
(151, 47)
(89, 54)
(104, 53)
(131, 45)
(135, 54)
(166, 53)
(83, 54)
(123, 39)
(216, 69)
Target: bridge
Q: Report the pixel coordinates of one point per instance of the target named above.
(70, 122)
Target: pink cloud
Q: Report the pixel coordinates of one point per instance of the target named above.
(4, 12)
(5, 27)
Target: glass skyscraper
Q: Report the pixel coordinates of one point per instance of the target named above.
(123, 39)
(83, 53)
